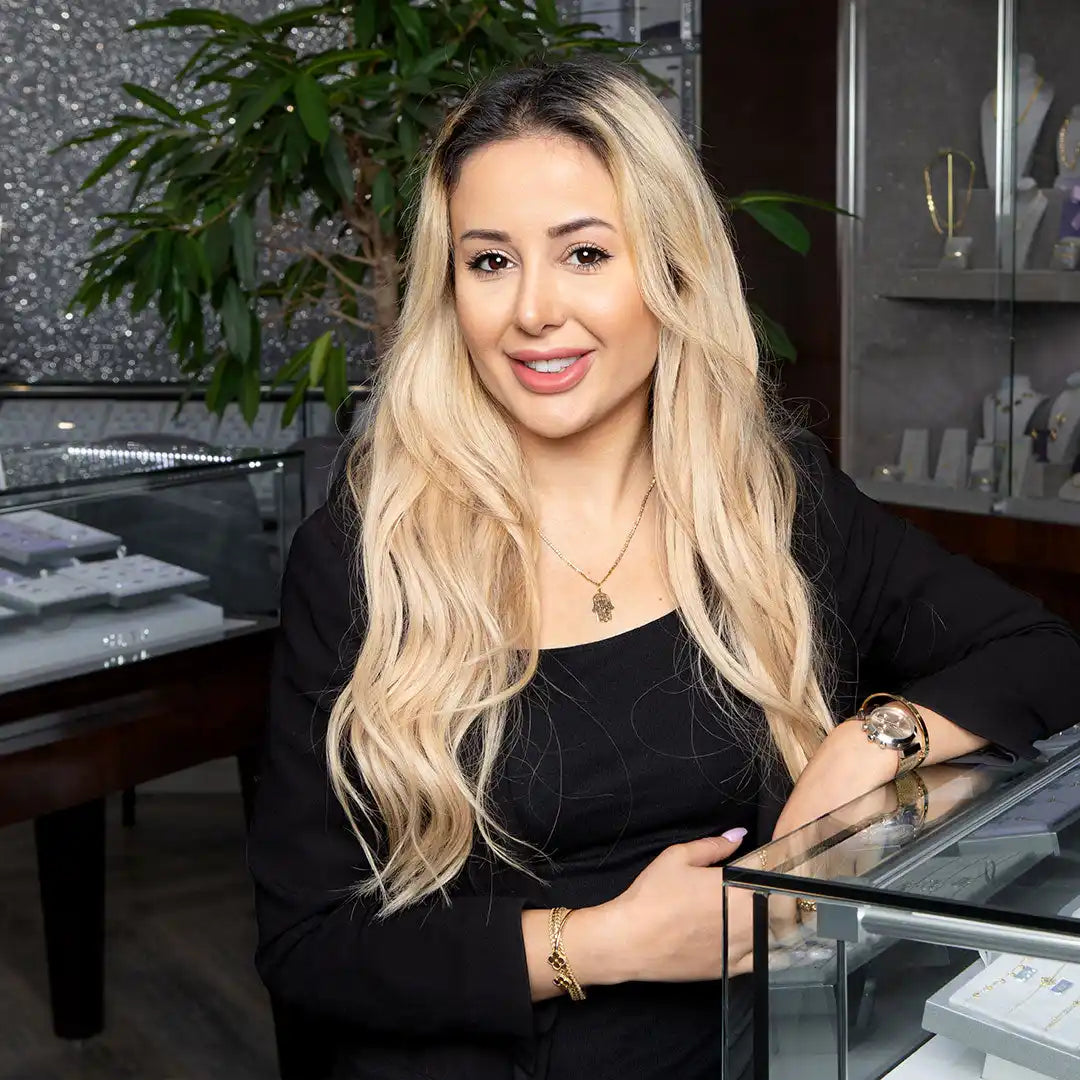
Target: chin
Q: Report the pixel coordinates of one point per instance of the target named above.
(545, 424)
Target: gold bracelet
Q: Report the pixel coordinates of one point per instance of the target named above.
(565, 979)
(912, 791)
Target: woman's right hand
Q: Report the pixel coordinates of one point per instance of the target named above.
(668, 926)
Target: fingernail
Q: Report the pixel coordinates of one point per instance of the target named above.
(734, 836)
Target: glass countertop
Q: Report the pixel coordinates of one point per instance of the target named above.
(44, 468)
(999, 843)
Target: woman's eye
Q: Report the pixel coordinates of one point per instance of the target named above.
(489, 263)
(596, 256)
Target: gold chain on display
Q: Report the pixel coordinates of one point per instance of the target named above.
(951, 220)
(1031, 101)
(1065, 161)
(602, 605)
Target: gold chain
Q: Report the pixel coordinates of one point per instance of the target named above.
(1031, 101)
(951, 221)
(1063, 158)
(602, 605)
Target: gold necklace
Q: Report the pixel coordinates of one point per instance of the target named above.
(1063, 158)
(951, 221)
(601, 603)
(1031, 101)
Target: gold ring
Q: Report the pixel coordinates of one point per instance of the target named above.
(805, 905)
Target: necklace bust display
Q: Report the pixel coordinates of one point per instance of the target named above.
(1033, 98)
(1007, 411)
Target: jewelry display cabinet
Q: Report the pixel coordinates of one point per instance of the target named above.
(116, 550)
(926, 930)
(960, 155)
(669, 33)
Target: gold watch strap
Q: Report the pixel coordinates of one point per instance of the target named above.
(912, 791)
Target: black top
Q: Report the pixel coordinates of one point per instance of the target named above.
(616, 758)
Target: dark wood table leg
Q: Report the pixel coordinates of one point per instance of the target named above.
(71, 872)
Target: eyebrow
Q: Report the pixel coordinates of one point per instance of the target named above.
(554, 232)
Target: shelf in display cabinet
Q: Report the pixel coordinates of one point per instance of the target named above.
(935, 497)
(1031, 286)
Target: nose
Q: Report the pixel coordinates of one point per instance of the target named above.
(539, 303)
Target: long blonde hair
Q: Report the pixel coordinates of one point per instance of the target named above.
(447, 542)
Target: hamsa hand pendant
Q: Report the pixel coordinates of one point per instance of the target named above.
(602, 606)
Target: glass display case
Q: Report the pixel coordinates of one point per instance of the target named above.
(670, 35)
(116, 550)
(929, 929)
(960, 156)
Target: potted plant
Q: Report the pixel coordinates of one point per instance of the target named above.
(285, 192)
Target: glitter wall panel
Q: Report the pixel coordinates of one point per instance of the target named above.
(63, 63)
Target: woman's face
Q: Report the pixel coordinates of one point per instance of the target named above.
(542, 267)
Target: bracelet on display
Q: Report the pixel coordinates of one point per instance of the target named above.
(565, 978)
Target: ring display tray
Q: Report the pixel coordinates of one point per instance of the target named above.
(50, 595)
(134, 579)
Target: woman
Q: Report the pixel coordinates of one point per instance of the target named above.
(582, 609)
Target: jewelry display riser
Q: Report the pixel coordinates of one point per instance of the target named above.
(943, 1018)
(925, 345)
(59, 643)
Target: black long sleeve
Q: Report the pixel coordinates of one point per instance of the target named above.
(432, 968)
(935, 626)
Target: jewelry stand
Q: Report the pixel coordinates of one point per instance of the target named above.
(1064, 420)
(1007, 411)
(983, 476)
(952, 462)
(1033, 99)
(1031, 205)
(915, 455)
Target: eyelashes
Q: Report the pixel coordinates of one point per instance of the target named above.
(475, 263)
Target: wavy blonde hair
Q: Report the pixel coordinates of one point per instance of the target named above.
(446, 540)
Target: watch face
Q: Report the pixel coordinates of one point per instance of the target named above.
(891, 724)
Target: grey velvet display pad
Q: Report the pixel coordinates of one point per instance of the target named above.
(941, 1018)
(929, 362)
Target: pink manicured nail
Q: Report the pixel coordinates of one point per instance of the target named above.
(734, 836)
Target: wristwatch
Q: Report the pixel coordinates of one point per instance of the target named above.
(896, 725)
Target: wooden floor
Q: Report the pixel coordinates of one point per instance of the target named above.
(182, 1001)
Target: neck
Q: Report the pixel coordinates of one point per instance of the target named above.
(590, 481)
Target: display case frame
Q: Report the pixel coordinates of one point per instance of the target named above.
(925, 346)
(909, 910)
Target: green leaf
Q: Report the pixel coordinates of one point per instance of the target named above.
(249, 394)
(408, 136)
(296, 145)
(224, 384)
(773, 337)
(243, 243)
(335, 58)
(408, 19)
(546, 14)
(293, 367)
(236, 321)
(364, 12)
(216, 20)
(257, 105)
(427, 64)
(318, 356)
(296, 399)
(311, 104)
(382, 196)
(742, 201)
(162, 259)
(338, 169)
(113, 158)
(335, 380)
(217, 243)
(155, 101)
(783, 224)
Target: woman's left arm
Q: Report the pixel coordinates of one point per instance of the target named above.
(984, 662)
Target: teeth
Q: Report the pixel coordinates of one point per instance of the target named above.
(552, 365)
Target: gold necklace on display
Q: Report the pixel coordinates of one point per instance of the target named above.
(1065, 161)
(1031, 101)
(601, 603)
(951, 220)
